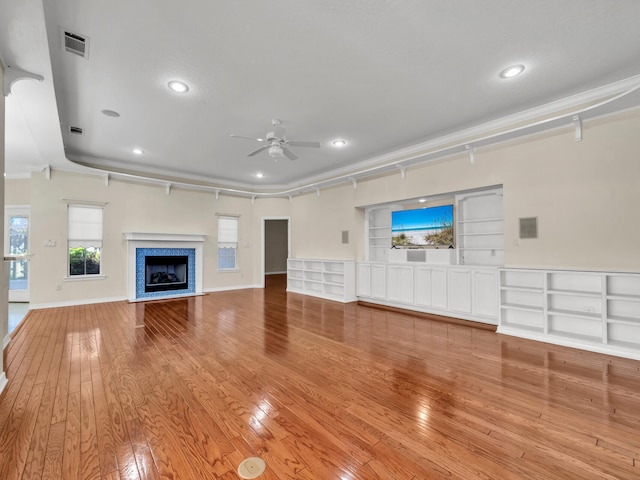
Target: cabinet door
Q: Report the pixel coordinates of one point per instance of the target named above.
(439, 288)
(422, 286)
(364, 280)
(460, 290)
(379, 281)
(400, 284)
(485, 293)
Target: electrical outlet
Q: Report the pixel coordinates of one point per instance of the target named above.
(49, 243)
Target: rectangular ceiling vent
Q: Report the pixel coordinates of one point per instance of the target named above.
(77, 44)
(76, 130)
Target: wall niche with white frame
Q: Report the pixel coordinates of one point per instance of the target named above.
(477, 223)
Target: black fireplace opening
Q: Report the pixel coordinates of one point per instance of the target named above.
(164, 273)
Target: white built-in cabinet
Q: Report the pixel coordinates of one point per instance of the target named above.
(479, 228)
(378, 223)
(597, 311)
(460, 291)
(329, 279)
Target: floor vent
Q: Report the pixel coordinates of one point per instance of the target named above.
(76, 44)
(76, 130)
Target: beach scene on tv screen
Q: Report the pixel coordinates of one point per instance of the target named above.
(423, 227)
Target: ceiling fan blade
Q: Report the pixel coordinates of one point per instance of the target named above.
(294, 143)
(289, 154)
(258, 150)
(248, 138)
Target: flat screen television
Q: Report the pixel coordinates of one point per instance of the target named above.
(423, 227)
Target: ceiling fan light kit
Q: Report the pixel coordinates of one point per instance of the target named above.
(278, 144)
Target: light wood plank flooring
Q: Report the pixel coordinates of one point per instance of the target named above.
(188, 388)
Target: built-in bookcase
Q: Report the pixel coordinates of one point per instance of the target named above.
(379, 233)
(479, 228)
(330, 279)
(593, 310)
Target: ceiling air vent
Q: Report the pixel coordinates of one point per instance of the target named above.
(76, 130)
(74, 43)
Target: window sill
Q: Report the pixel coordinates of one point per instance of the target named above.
(228, 270)
(79, 278)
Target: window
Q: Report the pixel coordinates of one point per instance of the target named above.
(227, 242)
(85, 239)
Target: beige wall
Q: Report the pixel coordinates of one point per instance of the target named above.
(129, 207)
(584, 194)
(17, 191)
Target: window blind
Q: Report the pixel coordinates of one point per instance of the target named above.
(227, 232)
(85, 226)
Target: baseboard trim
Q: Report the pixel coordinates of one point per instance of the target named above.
(233, 287)
(276, 273)
(432, 316)
(74, 303)
(6, 341)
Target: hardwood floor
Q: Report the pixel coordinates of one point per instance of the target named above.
(188, 388)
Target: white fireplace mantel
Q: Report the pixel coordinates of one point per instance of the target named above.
(163, 240)
(164, 237)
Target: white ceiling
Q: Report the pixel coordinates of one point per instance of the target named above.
(383, 75)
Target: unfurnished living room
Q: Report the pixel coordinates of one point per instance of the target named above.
(320, 239)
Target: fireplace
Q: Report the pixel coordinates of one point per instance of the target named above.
(164, 265)
(166, 273)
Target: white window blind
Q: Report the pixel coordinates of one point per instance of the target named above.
(227, 242)
(227, 232)
(85, 226)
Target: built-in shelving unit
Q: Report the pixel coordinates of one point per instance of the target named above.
(479, 228)
(330, 279)
(379, 233)
(597, 311)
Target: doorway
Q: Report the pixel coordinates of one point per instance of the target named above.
(275, 248)
(16, 241)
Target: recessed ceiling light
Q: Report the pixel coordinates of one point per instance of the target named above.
(259, 175)
(512, 71)
(339, 143)
(111, 113)
(178, 86)
(138, 151)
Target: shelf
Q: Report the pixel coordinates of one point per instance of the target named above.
(479, 234)
(527, 328)
(576, 293)
(576, 314)
(380, 227)
(624, 320)
(576, 336)
(522, 289)
(625, 297)
(527, 308)
(483, 249)
(481, 220)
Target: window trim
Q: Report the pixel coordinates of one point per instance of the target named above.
(93, 205)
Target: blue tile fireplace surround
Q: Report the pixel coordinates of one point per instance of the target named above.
(164, 265)
(142, 266)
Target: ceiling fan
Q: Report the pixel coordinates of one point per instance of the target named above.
(276, 142)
